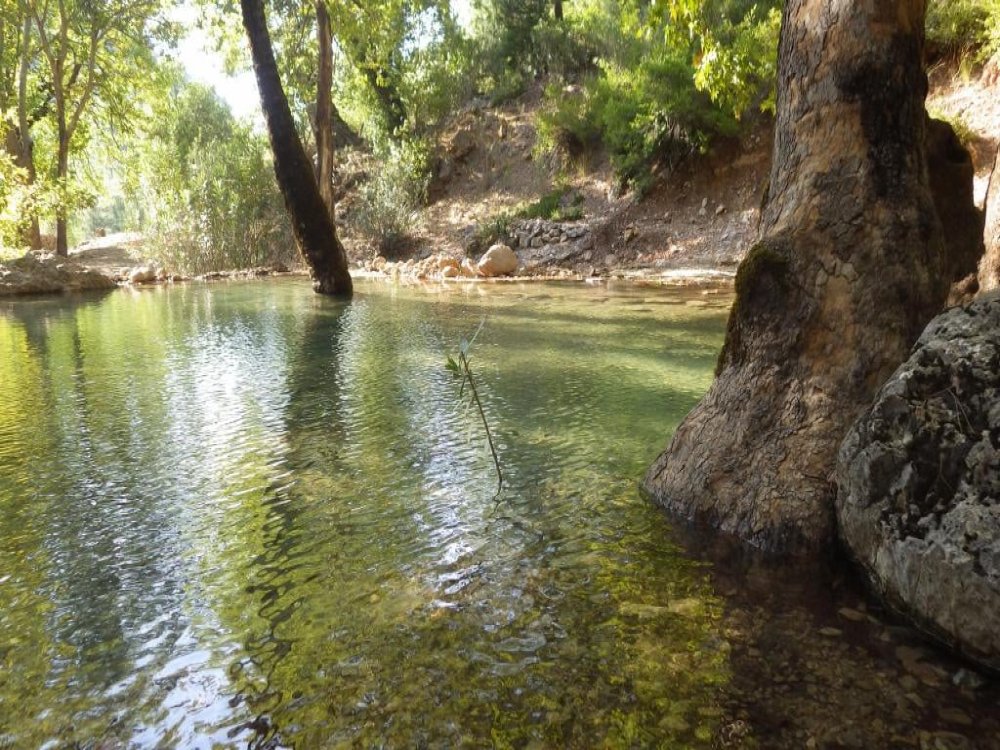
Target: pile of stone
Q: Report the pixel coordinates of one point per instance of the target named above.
(499, 260)
(540, 242)
(537, 233)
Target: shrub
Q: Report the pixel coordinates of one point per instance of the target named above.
(670, 77)
(559, 205)
(642, 115)
(389, 200)
(202, 189)
(958, 27)
(489, 232)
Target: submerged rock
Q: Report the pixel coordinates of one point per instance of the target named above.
(918, 478)
(499, 260)
(38, 274)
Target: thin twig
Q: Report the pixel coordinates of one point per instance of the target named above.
(482, 414)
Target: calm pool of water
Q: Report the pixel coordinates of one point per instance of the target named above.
(243, 513)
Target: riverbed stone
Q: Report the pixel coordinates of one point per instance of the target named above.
(918, 477)
(499, 260)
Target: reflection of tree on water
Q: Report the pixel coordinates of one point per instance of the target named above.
(94, 507)
(282, 574)
(330, 575)
(389, 607)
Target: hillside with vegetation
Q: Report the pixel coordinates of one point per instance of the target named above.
(444, 133)
(619, 137)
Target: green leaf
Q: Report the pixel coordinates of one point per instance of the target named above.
(452, 365)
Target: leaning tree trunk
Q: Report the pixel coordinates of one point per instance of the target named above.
(850, 266)
(312, 224)
(989, 267)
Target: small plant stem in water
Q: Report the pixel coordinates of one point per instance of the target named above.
(486, 425)
(461, 369)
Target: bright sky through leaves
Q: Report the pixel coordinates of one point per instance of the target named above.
(202, 63)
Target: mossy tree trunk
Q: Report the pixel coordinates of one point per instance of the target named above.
(312, 223)
(850, 266)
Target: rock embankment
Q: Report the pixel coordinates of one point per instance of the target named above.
(41, 274)
(540, 242)
(918, 480)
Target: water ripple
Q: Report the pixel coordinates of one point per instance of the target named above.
(242, 515)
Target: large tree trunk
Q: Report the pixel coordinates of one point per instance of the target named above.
(324, 108)
(989, 267)
(850, 266)
(311, 222)
(557, 9)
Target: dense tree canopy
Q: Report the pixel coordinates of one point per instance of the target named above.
(83, 84)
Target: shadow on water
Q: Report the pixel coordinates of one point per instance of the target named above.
(818, 661)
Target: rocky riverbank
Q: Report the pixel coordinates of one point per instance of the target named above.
(919, 483)
(48, 274)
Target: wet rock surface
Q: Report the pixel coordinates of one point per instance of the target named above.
(41, 274)
(919, 483)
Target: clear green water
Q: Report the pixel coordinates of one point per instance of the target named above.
(241, 514)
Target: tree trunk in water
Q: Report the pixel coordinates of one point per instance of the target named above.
(314, 230)
(324, 107)
(989, 267)
(850, 267)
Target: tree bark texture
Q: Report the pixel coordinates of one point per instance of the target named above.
(62, 174)
(989, 267)
(324, 108)
(850, 266)
(312, 224)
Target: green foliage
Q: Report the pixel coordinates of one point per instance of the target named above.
(960, 27)
(559, 205)
(489, 232)
(205, 190)
(667, 79)
(436, 79)
(12, 181)
(388, 201)
(733, 46)
(517, 40)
